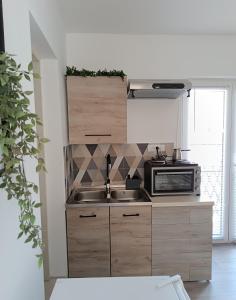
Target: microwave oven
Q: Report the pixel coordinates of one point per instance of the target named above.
(180, 178)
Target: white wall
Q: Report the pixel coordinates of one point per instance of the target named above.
(50, 24)
(19, 275)
(160, 56)
(55, 191)
(154, 56)
(152, 121)
(52, 65)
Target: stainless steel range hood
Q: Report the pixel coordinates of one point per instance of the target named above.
(153, 89)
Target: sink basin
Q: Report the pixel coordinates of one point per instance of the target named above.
(129, 196)
(89, 197)
(99, 196)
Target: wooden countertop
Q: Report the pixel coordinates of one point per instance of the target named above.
(182, 200)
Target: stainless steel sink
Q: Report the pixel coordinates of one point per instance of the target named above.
(89, 197)
(129, 196)
(99, 196)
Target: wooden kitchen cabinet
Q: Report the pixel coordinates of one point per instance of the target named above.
(182, 242)
(97, 109)
(88, 242)
(130, 240)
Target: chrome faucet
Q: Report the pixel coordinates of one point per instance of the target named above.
(107, 183)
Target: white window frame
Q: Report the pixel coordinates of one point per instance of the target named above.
(230, 85)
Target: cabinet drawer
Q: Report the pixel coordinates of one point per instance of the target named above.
(130, 240)
(88, 242)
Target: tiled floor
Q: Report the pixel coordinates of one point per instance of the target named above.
(221, 287)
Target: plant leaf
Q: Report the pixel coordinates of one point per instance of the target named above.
(44, 140)
(28, 93)
(20, 235)
(27, 77)
(40, 261)
(35, 189)
(30, 66)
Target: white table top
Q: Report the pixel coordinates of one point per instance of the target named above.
(114, 288)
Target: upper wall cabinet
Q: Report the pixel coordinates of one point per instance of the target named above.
(97, 109)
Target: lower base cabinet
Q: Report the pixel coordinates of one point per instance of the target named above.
(88, 242)
(182, 242)
(139, 241)
(105, 241)
(130, 241)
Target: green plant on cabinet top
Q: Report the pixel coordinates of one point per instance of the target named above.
(73, 71)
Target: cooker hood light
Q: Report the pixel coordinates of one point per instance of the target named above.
(158, 89)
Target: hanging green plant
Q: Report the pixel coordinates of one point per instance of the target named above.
(19, 140)
(73, 71)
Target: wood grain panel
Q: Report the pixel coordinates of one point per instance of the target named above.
(165, 269)
(130, 240)
(170, 215)
(88, 242)
(201, 215)
(198, 273)
(182, 237)
(200, 259)
(97, 109)
(170, 246)
(160, 246)
(171, 231)
(201, 231)
(200, 244)
(182, 231)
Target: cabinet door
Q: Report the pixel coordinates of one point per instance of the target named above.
(181, 242)
(130, 240)
(88, 242)
(201, 243)
(97, 110)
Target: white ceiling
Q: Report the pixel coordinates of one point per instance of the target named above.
(150, 16)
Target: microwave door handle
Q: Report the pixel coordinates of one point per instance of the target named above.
(174, 173)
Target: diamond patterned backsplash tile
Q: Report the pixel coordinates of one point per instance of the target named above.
(86, 164)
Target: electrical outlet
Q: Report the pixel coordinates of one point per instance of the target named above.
(152, 148)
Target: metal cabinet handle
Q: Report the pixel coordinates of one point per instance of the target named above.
(174, 173)
(130, 215)
(97, 134)
(87, 216)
